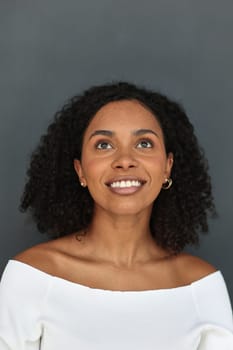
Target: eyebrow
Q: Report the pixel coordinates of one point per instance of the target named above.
(102, 132)
(144, 131)
(110, 133)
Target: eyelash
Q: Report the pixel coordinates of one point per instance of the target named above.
(101, 142)
(147, 141)
(108, 143)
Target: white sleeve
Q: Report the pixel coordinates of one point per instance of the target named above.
(215, 313)
(22, 298)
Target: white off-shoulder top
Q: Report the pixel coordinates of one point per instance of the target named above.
(41, 311)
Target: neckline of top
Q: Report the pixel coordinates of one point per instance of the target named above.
(85, 287)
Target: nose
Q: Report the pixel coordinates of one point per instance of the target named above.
(124, 160)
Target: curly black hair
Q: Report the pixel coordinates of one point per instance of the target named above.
(60, 206)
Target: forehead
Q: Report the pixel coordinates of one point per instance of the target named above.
(126, 114)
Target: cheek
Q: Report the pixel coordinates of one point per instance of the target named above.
(156, 164)
(93, 167)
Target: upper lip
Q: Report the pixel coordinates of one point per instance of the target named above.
(125, 178)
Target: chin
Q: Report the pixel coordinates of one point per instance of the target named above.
(125, 209)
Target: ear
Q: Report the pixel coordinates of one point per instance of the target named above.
(79, 171)
(169, 164)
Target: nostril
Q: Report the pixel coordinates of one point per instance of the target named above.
(124, 162)
(121, 166)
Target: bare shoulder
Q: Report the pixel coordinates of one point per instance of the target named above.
(51, 256)
(193, 268)
(41, 256)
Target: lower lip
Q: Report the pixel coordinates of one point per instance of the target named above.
(125, 190)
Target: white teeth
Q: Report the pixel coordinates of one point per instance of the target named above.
(123, 184)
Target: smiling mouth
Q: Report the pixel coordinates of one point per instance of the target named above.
(124, 184)
(136, 183)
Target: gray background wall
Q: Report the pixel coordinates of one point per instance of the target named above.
(53, 49)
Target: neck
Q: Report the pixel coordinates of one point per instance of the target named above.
(124, 241)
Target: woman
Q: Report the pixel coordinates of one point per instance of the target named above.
(121, 185)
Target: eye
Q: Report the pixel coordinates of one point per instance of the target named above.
(103, 145)
(145, 144)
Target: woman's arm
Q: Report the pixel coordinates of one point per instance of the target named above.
(22, 298)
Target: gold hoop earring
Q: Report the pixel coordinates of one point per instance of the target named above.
(167, 184)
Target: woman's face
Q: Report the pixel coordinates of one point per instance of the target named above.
(124, 162)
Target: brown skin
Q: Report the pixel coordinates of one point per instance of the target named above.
(118, 251)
